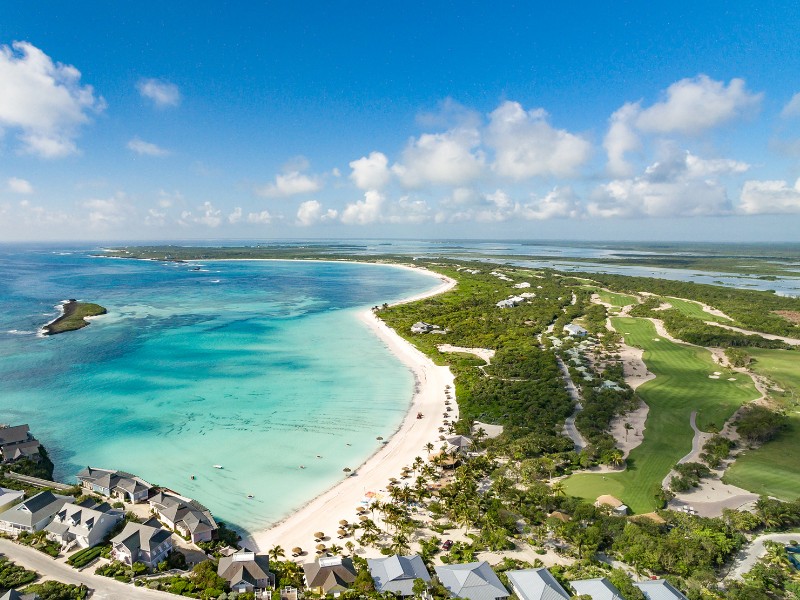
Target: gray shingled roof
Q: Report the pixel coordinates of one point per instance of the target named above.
(327, 577)
(536, 584)
(194, 516)
(35, 509)
(475, 581)
(234, 569)
(599, 588)
(14, 435)
(396, 574)
(141, 535)
(659, 589)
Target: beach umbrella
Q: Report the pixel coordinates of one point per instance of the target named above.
(319, 535)
(363, 518)
(343, 522)
(297, 550)
(320, 546)
(341, 532)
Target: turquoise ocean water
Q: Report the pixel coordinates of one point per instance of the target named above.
(256, 366)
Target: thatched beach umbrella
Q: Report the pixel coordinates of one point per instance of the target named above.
(341, 532)
(363, 518)
(319, 535)
(343, 522)
(320, 546)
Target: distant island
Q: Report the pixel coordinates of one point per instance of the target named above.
(73, 317)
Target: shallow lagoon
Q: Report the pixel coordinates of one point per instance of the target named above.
(260, 367)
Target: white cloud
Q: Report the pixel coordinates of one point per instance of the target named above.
(263, 218)
(209, 215)
(146, 148)
(162, 93)
(370, 172)
(107, 213)
(291, 183)
(469, 205)
(366, 211)
(235, 216)
(44, 101)
(621, 139)
(694, 105)
(311, 212)
(792, 108)
(679, 185)
(19, 186)
(450, 158)
(526, 145)
(770, 197)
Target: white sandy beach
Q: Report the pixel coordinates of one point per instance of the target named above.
(340, 502)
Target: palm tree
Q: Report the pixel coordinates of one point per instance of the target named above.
(615, 457)
(558, 488)
(399, 543)
(628, 427)
(276, 553)
(334, 549)
(429, 447)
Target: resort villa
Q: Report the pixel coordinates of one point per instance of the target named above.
(331, 575)
(185, 516)
(475, 581)
(147, 543)
(599, 588)
(536, 584)
(85, 524)
(17, 442)
(9, 498)
(575, 330)
(396, 574)
(659, 589)
(246, 572)
(34, 514)
(115, 484)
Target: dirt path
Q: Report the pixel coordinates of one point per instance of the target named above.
(749, 555)
(766, 336)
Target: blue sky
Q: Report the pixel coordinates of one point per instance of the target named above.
(178, 120)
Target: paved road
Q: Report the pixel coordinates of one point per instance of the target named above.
(569, 425)
(749, 555)
(104, 588)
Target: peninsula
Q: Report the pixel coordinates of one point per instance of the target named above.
(74, 316)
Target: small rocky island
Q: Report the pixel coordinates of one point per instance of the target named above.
(73, 317)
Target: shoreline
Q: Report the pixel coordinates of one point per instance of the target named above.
(407, 442)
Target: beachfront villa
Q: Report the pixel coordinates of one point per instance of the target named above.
(599, 588)
(9, 498)
(659, 589)
(185, 516)
(510, 302)
(115, 484)
(17, 442)
(396, 574)
(246, 572)
(422, 327)
(475, 581)
(575, 330)
(85, 524)
(147, 543)
(331, 575)
(536, 584)
(34, 514)
(459, 443)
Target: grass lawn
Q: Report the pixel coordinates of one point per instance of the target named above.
(682, 384)
(774, 468)
(615, 299)
(692, 309)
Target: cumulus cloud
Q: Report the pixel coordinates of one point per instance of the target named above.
(694, 105)
(366, 211)
(107, 213)
(292, 182)
(526, 145)
(451, 158)
(469, 205)
(621, 139)
(679, 185)
(162, 93)
(770, 197)
(370, 172)
(43, 101)
(141, 147)
(261, 218)
(235, 215)
(792, 108)
(311, 212)
(207, 215)
(19, 186)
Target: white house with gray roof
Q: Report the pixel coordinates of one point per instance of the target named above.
(536, 584)
(34, 514)
(85, 524)
(115, 484)
(659, 589)
(599, 588)
(187, 517)
(147, 543)
(475, 581)
(9, 498)
(396, 574)
(17, 442)
(246, 571)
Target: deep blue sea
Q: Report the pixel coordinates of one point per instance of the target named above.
(258, 366)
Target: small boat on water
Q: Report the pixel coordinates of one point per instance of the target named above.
(191, 477)
(218, 466)
(250, 496)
